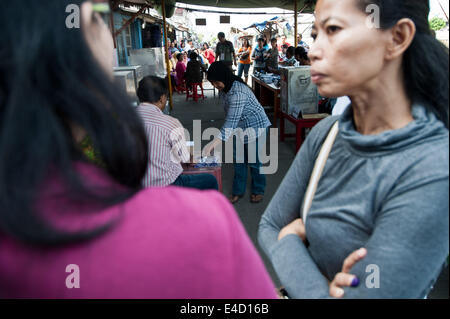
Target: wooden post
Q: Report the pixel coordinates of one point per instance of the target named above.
(166, 49)
(443, 10)
(111, 21)
(295, 23)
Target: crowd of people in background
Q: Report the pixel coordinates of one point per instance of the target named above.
(265, 56)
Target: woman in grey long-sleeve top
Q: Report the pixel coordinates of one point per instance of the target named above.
(386, 181)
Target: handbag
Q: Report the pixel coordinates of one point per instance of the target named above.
(318, 169)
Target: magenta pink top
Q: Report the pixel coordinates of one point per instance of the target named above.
(181, 70)
(167, 243)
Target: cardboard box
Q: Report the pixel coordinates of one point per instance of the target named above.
(298, 94)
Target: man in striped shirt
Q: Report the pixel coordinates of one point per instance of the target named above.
(166, 141)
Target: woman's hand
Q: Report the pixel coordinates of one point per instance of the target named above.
(344, 278)
(207, 150)
(295, 228)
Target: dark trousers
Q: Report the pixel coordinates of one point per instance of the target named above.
(198, 181)
(241, 170)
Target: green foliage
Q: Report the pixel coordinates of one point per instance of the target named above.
(437, 24)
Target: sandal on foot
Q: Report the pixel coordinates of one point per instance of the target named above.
(234, 198)
(256, 198)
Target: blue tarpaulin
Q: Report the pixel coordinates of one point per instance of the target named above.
(261, 25)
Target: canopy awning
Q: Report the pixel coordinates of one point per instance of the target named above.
(308, 5)
(283, 4)
(260, 26)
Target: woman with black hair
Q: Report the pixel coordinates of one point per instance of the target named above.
(247, 122)
(290, 58)
(208, 53)
(244, 59)
(70, 229)
(194, 70)
(302, 56)
(370, 218)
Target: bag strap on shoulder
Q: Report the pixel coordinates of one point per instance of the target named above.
(318, 169)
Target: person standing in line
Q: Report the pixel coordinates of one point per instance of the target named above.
(301, 43)
(182, 45)
(282, 58)
(208, 53)
(190, 46)
(225, 51)
(244, 59)
(258, 56)
(272, 56)
(279, 44)
(266, 43)
(173, 47)
(290, 58)
(302, 56)
(283, 41)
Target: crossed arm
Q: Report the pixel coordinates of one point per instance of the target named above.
(409, 242)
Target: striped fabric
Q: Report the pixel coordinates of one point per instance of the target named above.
(166, 146)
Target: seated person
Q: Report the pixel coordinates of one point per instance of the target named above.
(302, 56)
(201, 59)
(180, 69)
(194, 70)
(166, 141)
(290, 58)
(284, 48)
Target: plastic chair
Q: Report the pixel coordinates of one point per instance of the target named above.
(194, 89)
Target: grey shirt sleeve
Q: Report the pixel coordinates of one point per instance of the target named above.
(290, 258)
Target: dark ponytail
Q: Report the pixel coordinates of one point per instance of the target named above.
(425, 63)
(426, 74)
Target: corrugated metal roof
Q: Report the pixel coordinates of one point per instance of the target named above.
(284, 4)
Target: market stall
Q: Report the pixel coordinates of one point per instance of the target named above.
(167, 7)
(268, 94)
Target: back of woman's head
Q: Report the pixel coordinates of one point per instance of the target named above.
(425, 62)
(151, 89)
(193, 56)
(50, 82)
(220, 72)
(301, 53)
(290, 51)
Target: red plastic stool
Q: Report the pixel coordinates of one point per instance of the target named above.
(181, 88)
(194, 88)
